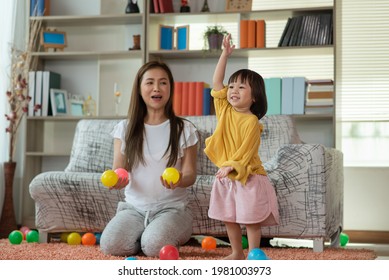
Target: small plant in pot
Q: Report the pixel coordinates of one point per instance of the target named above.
(213, 37)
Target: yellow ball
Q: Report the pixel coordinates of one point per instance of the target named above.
(64, 237)
(171, 175)
(109, 178)
(74, 238)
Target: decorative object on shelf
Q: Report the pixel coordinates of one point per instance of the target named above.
(205, 8)
(132, 7)
(18, 99)
(136, 39)
(167, 34)
(185, 8)
(53, 39)
(89, 107)
(118, 98)
(238, 5)
(8, 220)
(76, 105)
(59, 101)
(213, 37)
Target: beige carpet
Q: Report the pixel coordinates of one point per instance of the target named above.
(191, 251)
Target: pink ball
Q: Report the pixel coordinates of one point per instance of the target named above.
(122, 173)
(24, 230)
(169, 252)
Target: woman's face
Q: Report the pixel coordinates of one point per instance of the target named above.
(155, 88)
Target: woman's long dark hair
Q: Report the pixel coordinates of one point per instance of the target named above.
(137, 112)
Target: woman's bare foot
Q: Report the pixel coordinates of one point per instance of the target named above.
(235, 256)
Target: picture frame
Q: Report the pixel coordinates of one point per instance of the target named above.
(59, 102)
(182, 37)
(76, 107)
(173, 38)
(166, 37)
(53, 39)
(238, 5)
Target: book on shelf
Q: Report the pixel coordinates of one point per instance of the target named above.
(299, 90)
(185, 99)
(273, 87)
(207, 101)
(284, 32)
(192, 99)
(288, 33)
(294, 36)
(310, 110)
(177, 99)
(260, 34)
(166, 6)
(155, 6)
(50, 80)
(199, 98)
(38, 92)
(243, 35)
(320, 82)
(31, 92)
(287, 96)
(320, 94)
(251, 31)
(320, 88)
(320, 102)
(39, 8)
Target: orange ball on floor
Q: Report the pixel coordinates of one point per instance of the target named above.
(88, 239)
(208, 243)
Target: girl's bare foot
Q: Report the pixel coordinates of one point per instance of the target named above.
(235, 256)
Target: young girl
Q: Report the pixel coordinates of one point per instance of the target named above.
(242, 192)
(155, 213)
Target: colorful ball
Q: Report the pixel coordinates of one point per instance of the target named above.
(122, 174)
(64, 237)
(32, 236)
(208, 243)
(24, 230)
(98, 236)
(131, 258)
(257, 254)
(88, 239)
(74, 238)
(169, 252)
(171, 175)
(245, 242)
(343, 238)
(15, 237)
(109, 178)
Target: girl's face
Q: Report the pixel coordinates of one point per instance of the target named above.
(239, 96)
(155, 88)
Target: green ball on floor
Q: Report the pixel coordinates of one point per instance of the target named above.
(15, 237)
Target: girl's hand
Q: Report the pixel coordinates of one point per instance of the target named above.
(170, 185)
(223, 171)
(122, 183)
(227, 47)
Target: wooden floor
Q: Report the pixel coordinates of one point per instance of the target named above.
(382, 250)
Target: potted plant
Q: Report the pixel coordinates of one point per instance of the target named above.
(213, 37)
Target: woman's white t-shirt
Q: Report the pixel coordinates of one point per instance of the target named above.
(145, 190)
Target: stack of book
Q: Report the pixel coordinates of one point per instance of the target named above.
(192, 99)
(308, 30)
(252, 34)
(161, 6)
(320, 97)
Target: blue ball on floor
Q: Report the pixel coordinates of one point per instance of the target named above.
(257, 254)
(98, 236)
(131, 258)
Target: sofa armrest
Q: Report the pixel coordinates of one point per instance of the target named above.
(309, 186)
(72, 201)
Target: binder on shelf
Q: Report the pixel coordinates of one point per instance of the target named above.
(31, 92)
(299, 89)
(177, 99)
(207, 100)
(199, 98)
(243, 39)
(38, 91)
(260, 34)
(185, 99)
(192, 99)
(273, 88)
(287, 96)
(50, 80)
(251, 31)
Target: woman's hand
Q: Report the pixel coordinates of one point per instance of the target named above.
(223, 171)
(122, 183)
(170, 185)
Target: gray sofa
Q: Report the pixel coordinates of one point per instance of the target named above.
(308, 179)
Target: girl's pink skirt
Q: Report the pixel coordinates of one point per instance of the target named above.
(256, 202)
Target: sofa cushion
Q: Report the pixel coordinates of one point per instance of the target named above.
(92, 149)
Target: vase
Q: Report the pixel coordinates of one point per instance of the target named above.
(132, 7)
(8, 220)
(215, 41)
